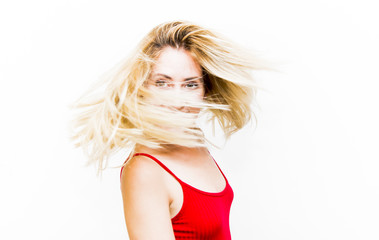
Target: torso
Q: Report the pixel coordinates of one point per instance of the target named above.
(194, 167)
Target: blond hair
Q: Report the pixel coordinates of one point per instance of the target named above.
(123, 114)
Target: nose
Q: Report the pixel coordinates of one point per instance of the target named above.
(178, 105)
(181, 108)
(177, 102)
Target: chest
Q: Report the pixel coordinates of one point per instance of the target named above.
(198, 184)
(203, 215)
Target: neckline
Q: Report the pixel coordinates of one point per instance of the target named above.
(222, 192)
(205, 192)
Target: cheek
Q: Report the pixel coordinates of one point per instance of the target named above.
(201, 93)
(199, 96)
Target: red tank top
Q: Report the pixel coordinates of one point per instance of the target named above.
(204, 215)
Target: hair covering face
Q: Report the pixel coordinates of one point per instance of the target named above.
(129, 112)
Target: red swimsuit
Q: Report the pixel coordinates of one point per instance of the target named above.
(203, 215)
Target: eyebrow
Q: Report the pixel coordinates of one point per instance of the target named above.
(170, 78)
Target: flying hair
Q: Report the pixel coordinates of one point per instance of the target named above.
(123, 112)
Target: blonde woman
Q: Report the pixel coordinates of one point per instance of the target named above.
(172, 187)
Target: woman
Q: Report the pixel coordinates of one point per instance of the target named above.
(172, 188)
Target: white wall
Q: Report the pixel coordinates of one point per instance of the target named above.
(309, 170)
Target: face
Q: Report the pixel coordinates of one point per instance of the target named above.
(178, 73)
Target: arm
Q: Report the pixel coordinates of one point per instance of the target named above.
(146, 200)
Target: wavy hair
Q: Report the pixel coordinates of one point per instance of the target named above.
(124, 115)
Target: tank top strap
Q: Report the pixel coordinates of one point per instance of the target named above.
(167, 169)
(218, 167)
(160, 163)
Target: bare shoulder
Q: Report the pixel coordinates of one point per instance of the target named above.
(145, 200)
(142, 172)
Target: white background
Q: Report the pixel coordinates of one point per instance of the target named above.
(308, 171)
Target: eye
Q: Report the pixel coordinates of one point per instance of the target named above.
(161, 83)
(192, 85)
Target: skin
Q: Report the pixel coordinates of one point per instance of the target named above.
(178, 74)
(151, 196)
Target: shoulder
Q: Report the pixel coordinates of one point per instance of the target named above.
(142, 171)
(145, 199)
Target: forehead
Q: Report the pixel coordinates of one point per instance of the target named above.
(177, 63)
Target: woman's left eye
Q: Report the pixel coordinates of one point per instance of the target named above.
(192, 85)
